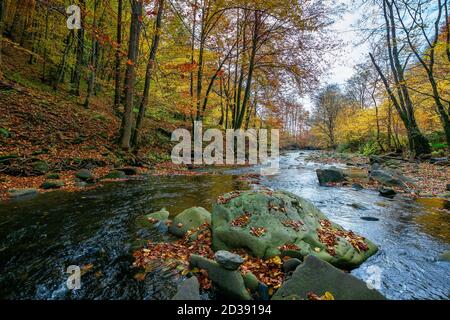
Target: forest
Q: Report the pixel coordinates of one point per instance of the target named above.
(92, 91)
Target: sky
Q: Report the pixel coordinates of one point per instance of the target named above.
(349, 55)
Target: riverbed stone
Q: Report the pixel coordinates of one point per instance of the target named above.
(189, 219)
(291, 264)
(53, 176)
(85, 175)
(330, 175)
(23, 193)
(387, 192)
(230, 283)
(129, 171)
(317, 276)
(189, 290)
(448, 187)
(115, 174)
(151, 220)
(52, 184)
(388, 178)
(357, 187)
(228, 260)
(40, 167)
(262, 222)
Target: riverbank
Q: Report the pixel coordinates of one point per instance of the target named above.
(424, 179)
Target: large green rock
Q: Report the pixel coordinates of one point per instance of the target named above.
(189, 219)
(230, 283)
(287, 220)
(317, 276)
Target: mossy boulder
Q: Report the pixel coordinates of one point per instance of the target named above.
(318, 277)
(85, 175)
(189, 219)
(269, 224)
(40, 167)
(116, 174)
(151, 220)
(52, 184)
(53, 176)
(230, 283)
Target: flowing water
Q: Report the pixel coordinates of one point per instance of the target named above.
(97, 230)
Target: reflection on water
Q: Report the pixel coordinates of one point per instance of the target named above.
(436, 218)
(97, 229)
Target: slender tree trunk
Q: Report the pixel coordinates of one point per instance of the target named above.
(133, 49)
(148, 75)
(61, 70)
(198, 116)
(191, 87)
(2, 15)
(79, 64)
(248, 85)
(44, 65)
(118, 58)
(93, 60)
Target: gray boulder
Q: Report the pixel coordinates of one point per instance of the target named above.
(189, 290)
(189, 219)
(318, 277)
(269, 224)
(389, 178)
(228, 260)
(331, 175)
(230, 283)
(85, 175)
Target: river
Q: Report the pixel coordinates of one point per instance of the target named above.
(97, 230)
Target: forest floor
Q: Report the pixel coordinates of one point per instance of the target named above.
(39, 124)
(430, 180)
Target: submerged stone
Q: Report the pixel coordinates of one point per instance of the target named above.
(189, 290)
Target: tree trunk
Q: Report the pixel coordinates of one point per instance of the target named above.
(79, 64)
(118, 58)
(2, 15)
(133, 49)
(148, 75)
(93, 60)
(61, 70)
